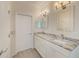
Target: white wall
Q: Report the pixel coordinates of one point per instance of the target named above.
(4, 28)
(27, 8)
(12, 30)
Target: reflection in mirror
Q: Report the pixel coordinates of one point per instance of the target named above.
(65, 19)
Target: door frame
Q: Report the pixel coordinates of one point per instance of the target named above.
(15, 27)
(14, 41)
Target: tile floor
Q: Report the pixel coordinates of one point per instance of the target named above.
(29, 53)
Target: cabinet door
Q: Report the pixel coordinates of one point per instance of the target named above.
(52, 52)
(47, 49)
(37, 44)
(40, 46)
(43, 48)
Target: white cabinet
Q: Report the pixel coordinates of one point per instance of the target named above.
(47, 49)
(40, 46)
(52, 52)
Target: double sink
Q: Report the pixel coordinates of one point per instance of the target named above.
(65, 43)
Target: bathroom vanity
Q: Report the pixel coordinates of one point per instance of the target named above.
(49, 46)
(63, 22)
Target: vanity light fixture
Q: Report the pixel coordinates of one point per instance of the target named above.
(44, 13)
(62, 4)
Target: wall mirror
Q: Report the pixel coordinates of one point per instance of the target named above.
(65, 19)
(41, 23)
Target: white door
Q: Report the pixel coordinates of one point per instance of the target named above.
(24, 38)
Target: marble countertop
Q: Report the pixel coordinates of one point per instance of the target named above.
(65, 43)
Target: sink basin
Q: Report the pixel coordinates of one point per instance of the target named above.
(59, 42)
(66, 44)
(46, 36)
